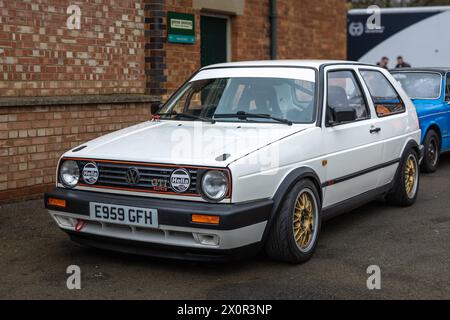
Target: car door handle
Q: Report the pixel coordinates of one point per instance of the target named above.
(375, 130)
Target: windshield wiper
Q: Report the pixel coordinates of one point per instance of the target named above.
(187, 115)
(244, 115)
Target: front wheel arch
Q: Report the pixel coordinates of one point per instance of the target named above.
(286, 185)
(294, 234)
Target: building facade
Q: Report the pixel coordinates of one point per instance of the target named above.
(73, 70)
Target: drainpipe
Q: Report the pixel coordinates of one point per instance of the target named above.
(273, 29)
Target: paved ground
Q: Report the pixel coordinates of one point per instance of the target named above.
(411, 246)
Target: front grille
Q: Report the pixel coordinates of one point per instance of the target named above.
(152, 178)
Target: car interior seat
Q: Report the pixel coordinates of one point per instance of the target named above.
(337, 98)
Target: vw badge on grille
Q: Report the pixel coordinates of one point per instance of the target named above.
(180, 180)
(132, 177)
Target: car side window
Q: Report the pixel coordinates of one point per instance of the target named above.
(447, 88)
(344, 92)
(385, 98)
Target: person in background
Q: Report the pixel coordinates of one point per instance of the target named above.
(383, 63)
(401, 63)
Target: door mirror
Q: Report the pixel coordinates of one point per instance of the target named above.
(342, 114)
(155, 107)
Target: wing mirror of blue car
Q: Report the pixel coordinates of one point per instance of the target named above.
(342, 115)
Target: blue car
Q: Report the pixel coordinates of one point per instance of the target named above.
(429, 89)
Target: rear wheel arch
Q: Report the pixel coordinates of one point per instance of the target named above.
(411, 144)
(406, 184)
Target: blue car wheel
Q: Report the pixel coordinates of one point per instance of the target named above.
(432, 151)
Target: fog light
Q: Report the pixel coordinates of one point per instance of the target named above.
(56, 202)
(65, 221)
(203, 218)
(208, 239)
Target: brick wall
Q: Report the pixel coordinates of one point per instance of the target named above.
(168, 65)
(40, 56)
(181, 60)
(311, 30)
(306, 30)
(250, 40)
(155, 56)
(33, 138)
(251, 32)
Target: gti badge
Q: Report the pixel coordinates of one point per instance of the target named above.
(180, 180)
(90, 173)
(133, 176)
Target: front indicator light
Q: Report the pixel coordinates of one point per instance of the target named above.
(203, 218)
(56, 202)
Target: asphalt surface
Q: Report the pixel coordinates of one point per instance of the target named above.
(410, 245)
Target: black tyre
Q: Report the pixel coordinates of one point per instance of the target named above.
(294, 234)
(407, 181)
(432, 144)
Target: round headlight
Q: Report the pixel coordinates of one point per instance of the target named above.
(215, 185)
(69, 173)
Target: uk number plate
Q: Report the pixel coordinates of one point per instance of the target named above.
(141, 217)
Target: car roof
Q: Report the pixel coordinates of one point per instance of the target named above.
(442, 70)
(316, 64)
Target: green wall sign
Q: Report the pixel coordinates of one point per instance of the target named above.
(180, 27)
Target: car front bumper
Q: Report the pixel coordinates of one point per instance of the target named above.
(239, 232)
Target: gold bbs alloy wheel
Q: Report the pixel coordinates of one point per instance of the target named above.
(411, 176)
(304, 219)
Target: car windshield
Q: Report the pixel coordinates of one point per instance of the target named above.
(244, 99)
(420, 85)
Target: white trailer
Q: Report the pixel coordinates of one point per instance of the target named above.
(421, 35)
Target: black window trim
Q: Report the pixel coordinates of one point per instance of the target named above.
(393, 88)
(358, 83)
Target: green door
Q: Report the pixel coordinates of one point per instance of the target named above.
(213, 40)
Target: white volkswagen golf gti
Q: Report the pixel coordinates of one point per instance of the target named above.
(244, 157)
